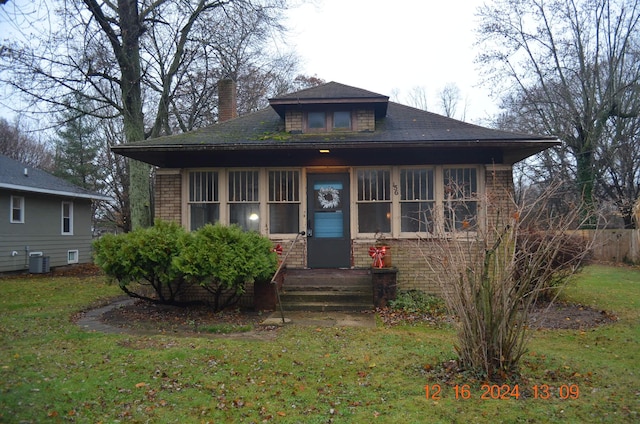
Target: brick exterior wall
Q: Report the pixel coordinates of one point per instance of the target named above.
(168, 196)
(409, 256)
(293, 121)
(365, 120)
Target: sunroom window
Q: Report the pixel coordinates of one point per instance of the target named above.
(417, 200)
(374, 201)
(204, 204)
(244, 202)
(284, 201)
(460, 199)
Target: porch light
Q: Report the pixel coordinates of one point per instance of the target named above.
(253, 217)
(324, 150)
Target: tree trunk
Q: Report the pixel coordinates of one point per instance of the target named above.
(129, 61)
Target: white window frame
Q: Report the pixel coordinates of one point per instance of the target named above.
(269, 202)
(21, 208)
(73, 256)
(438, 212)
(392, 199)
(216, 193)
(63, 217)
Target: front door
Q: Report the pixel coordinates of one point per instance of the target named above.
(328, 232)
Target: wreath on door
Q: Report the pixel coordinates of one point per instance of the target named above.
(329, 197)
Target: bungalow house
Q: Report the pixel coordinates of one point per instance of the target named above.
(44, 221)
(346, 166)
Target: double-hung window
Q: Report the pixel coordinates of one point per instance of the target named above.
(67, 218)
(244, 200)
(460, 201)
(374, 201)
(204, 203)
(17, 210)
(417, 200)
(284, 201)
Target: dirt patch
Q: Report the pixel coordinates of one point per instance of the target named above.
(147, 318)
(557, 315)
(560, 315)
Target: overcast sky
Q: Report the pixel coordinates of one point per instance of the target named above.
(391, 47)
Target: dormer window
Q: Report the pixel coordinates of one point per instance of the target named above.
(342, 120)
(316, 121)
(329, 121)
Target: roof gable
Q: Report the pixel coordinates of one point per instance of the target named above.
(331, 93)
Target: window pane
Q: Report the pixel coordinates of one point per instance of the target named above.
(373, 185)
(374, 217)
(243, 186)
(204, 213)
(460, 216)
(416, 184)
(284, 218)
(417, 217)
(316, 120)
(342, 120)
(246, 215)
(284, 186)
(460, 183)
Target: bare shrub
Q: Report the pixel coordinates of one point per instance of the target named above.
(491, 279)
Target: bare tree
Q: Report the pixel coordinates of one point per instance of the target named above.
(18, 143)
(133, 59)
(418, 98)
(568, 68)
(449, 98)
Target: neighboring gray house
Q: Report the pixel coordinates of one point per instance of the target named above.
(42, 216)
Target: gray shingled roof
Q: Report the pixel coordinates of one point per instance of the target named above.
(13, 177)
(401, 127)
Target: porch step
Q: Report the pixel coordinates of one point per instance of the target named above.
(327, 290)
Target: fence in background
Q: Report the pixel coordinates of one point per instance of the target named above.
(614, 245)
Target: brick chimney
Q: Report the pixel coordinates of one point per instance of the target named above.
(227, 100)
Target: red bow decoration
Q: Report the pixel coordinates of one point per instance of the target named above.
(278, 249)
(377, 253)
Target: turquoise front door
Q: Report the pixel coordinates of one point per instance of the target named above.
(328, 230)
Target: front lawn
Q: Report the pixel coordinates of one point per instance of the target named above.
(52, 371)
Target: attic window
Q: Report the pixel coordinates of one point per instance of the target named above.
(328, 121)
(316, 120)
(342, 120)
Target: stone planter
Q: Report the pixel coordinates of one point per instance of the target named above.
(384, 281)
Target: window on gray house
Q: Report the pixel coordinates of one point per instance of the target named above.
(17, 210)
(374, 201)
(204, 204)
(67, 218)
(284, 202)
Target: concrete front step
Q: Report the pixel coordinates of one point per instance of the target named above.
(327, 296)
(327, 290)
(327, 306)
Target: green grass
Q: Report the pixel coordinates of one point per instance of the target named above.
(52, 371)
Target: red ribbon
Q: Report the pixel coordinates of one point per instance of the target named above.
(377, 253)
(278, 249)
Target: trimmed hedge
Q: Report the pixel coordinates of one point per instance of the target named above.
(160, 263)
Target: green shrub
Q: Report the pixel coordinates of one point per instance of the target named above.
(416, 301)
(224, 259)
(168, 259)
(145, 256)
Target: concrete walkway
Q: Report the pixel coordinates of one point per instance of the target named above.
(92, 320)
(323, 319)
